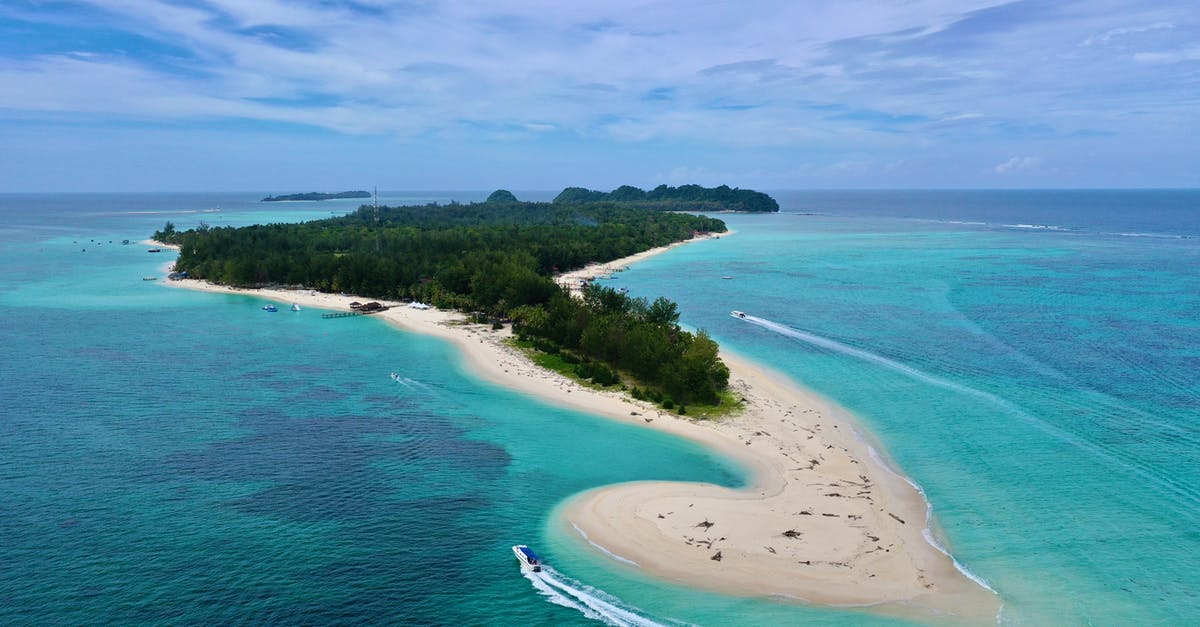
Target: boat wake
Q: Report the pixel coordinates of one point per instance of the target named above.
(879, 360)
(592, 603)
(410, 382)
(1100, 450)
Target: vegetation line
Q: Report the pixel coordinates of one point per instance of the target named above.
(497, 259)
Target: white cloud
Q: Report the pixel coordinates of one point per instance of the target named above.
(851, 81)
(1174, 56)
(1123, 31)
(1017, 164)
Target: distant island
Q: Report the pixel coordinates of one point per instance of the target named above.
(318, 196)
(682, 198)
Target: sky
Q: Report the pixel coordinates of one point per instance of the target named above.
(302, 95)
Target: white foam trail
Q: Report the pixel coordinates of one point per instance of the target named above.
(1047, 428)
(1036, 227)
(594, 604)
(604, 550)
(880, 360)
(419, 384)
(926, 532)
(554, 596)
(1152, 235)
(928, 535)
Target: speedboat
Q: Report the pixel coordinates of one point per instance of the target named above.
(295, 307)
(737, 314)
(527, 558)
(269, 307)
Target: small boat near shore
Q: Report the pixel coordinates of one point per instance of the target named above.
(295, 307)
(527, 557)
(269, 307)
(737, 314)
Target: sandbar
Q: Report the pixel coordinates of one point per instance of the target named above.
(823, 520)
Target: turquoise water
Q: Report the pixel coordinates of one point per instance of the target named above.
(1036, 371)
(173, 457)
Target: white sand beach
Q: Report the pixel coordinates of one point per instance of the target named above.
(823, 520)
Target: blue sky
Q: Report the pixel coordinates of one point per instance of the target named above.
(173, 95)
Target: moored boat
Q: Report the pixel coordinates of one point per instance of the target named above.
(295, 307)
(269, 307)
(527, 557)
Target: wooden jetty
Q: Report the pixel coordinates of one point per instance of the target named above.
(359, 309)
(343, 314)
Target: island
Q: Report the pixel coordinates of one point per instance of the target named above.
(499, 259)
(318, 196)
(682, 198)
(501, 195)
(520, 289)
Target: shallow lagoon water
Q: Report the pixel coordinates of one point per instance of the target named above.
(171, 457)
(1040, 384)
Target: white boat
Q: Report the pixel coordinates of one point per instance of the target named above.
(269, 307)
(737, 314)
(527, 557)
(295, 307)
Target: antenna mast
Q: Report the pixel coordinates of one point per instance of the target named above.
(377, 234)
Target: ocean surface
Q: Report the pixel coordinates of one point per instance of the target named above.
(1030, 359)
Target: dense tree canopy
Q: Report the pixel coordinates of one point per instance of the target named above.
(682, 198)
(496, 257)
(501, 195)
(632, 336)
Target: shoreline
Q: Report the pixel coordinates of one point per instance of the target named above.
(571, 280)
(823, 519)
(859, 527)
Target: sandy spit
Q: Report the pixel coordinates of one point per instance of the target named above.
(822, 521)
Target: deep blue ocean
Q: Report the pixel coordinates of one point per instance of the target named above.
(1031, 359)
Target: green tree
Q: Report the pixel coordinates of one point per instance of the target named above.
(501, 195)
(662, 311)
